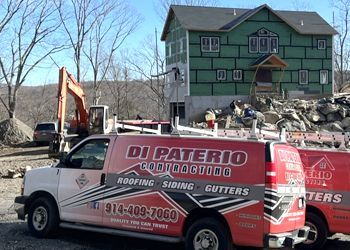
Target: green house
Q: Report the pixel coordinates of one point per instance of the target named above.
(223, 54)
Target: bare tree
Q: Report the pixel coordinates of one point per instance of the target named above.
(26, 43)
(125, 94)
(78, 18)
(116, 87)
(106, 36)
(146, 63)
(163, 7)
(342, 49)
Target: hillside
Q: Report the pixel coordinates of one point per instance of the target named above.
(39, 103)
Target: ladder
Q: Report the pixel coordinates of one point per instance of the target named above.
(299, 138)
(141, 129)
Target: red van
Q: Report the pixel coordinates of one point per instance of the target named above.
(327, 177)
(209, 192)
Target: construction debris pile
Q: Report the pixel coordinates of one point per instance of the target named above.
(14, 132)
(330, 114)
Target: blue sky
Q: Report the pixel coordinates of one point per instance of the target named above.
(151, 20)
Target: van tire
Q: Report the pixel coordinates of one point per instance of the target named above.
(43, 218)
(215, 232)
(318, 225)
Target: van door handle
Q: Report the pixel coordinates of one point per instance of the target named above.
(103, 179)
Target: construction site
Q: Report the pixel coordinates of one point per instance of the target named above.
(234, 135)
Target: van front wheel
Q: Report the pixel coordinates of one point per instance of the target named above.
(208, 234)
(42, 217)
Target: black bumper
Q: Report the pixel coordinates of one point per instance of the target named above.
(19, 206)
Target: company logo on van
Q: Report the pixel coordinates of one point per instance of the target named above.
(318, 169)
(194, 161)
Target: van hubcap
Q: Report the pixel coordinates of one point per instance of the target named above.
(313, 228)
(39, 218)
(205, 240)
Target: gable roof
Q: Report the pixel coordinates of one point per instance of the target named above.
(198, 18)
(269, 61)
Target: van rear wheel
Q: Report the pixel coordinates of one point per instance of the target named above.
(43, 218)
(319, 227)
(208, 234)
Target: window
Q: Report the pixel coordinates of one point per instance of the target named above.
(263, 44)
(323, 76)
(168, 50)
(321, 44)
(263, 41)
(303, 77)
(253, 45)
(182, 45)
(221, 75)
(210, 44)
(274, 44)
(237, 74)
(90, 155)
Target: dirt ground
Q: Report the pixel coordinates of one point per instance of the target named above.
(14, 233)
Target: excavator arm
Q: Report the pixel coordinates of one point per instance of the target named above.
(68, 85)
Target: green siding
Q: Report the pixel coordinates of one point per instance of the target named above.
(223, 63)
(229, 51)
(314, 76)
(206, 76)
(260, 16)
(293, 64)
(200, 63)
(201, 89)
(312, 64)
(243, 89)
(327, 64)
(300, 40)
(224, 89)
(297, 50)
(315, 53)
(195, 50)
(277, 75)
(244, 63)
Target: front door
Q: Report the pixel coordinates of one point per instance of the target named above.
(81, 185)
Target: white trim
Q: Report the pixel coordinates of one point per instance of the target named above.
(274, 38)
(324, 71)
(267, 43)
(224, 78)
(318, 44)
(210, 43)
(307, 77)
(257, 44)
(241, 75)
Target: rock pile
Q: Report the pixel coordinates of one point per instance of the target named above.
(330, 114)
(13, 132)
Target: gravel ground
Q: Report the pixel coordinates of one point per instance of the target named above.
(14, 233)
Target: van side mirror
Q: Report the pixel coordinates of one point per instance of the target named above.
(62, 156)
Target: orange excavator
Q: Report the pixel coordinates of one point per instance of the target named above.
(86, 121)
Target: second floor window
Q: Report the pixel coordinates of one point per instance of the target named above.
(263, 41)
(210, 44)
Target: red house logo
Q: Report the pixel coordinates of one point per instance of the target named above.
(318, 168)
